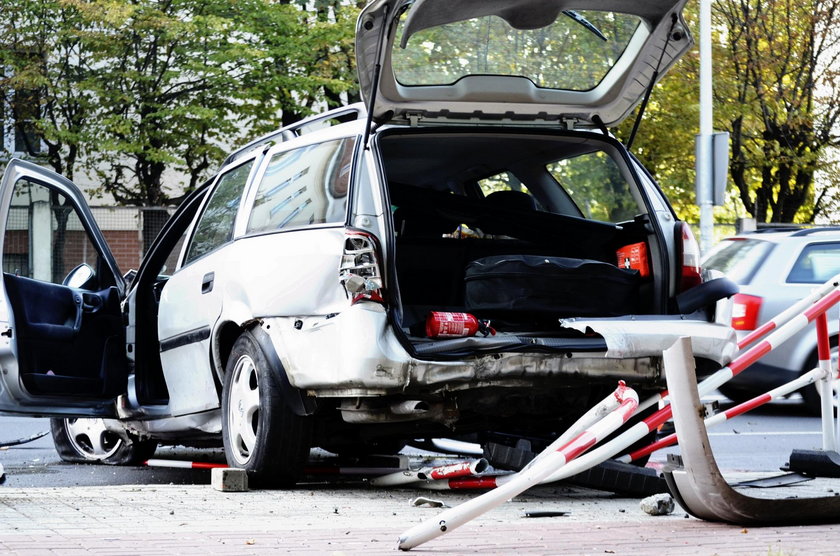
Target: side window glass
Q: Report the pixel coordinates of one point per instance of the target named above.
(304, 186)
(816, 264)
(215, 228)
(597, 186)
(44, 237)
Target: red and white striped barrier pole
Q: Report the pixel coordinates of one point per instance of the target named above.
(777, 393)
(825, 386)
(546, 464)
(177, 464)
(469, 483)
(648, 425)
(441, 472)
(790, 312)
(310, 470)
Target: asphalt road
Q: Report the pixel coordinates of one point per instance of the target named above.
(758, 441)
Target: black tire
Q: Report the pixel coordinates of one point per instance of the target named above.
(810, 396)
(89, 441)
(360, 448)
(254, 412)
(736, 395)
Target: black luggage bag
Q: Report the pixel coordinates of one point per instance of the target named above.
(508, 286)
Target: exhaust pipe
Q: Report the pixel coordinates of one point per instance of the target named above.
(410, 407)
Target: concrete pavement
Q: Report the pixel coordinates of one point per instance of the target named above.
(319, 519)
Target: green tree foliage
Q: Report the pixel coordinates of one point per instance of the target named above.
(134, 89)
(780, 99)
(777, 93)
(48, 96)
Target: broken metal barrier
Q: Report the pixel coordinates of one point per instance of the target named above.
(812, 308)
(699, 486)
(781, 328)
(619, 407)
(777, 393)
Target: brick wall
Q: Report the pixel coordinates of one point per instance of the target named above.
(126, 247)
(122, 235)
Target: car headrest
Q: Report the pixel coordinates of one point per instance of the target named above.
(514, 200)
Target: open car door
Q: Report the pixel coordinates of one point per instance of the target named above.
(62, 339)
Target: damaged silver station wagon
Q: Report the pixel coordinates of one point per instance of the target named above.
(469, 254)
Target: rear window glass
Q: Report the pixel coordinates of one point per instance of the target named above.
(574, 52)
(817, 264)
(739, 259)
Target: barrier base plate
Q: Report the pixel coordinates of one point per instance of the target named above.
(816, 463)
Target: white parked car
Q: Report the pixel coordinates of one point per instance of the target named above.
(295, 300)
(774, 268)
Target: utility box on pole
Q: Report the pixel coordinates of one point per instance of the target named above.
(719, 170)
(720, 166)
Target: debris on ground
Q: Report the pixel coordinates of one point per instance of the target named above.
(546, 513)
(658, 504)
(423, 501)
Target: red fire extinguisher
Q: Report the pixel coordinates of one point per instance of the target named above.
(440, 324)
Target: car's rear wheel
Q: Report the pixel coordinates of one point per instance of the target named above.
(91, 441)
(810, 395)
(737, 395)
(261, 434)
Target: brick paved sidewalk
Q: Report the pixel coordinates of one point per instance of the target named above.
(351, 520)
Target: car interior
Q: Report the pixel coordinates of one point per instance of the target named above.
(461, 200)
(69, 341)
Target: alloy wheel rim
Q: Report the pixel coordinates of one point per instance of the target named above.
(91, 438)
(243, 410)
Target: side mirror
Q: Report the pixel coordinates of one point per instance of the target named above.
(79, 276)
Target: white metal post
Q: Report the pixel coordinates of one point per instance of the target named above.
(703, 164)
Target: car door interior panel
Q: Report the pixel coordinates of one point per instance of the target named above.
(70, 341)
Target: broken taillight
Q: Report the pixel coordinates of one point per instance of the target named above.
(688, 258)
(359, 272)
(745, 309)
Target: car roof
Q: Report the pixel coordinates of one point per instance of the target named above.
(779, 234)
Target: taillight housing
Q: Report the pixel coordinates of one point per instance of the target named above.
(745, 309)
(360, 271)
(688, 257)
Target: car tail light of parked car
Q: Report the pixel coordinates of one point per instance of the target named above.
(360, 272)
(690, 255)
(745, 309)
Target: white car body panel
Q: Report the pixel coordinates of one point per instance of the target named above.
(187, 368)
(355, 351)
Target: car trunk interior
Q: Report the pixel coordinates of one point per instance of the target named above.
(477, 215)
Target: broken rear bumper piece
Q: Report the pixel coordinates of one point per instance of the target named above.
(650, 335)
